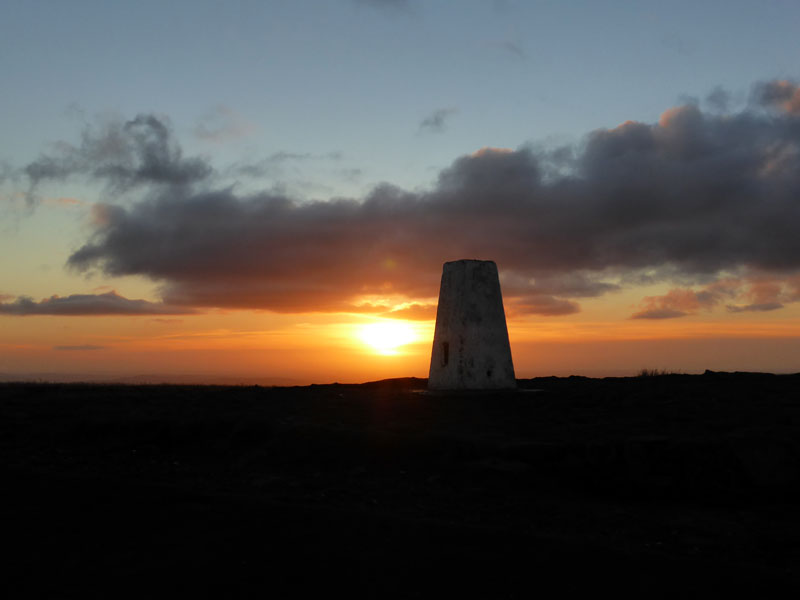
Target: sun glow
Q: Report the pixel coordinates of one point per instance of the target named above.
(386, 337)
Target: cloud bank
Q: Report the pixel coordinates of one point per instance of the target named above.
(758, 292)
(697, 198)
(109, 303)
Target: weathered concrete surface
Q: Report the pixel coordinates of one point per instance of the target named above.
(470, 344)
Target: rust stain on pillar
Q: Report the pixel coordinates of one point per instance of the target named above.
(470, 344)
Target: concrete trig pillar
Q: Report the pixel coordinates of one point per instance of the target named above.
(470, 344)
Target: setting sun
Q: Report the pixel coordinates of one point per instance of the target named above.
(216, 232)
(386, 337)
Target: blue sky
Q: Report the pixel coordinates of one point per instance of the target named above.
(355, 79)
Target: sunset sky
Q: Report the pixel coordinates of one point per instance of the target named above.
(269, 189)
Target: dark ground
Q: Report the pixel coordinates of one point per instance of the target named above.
(655, 487)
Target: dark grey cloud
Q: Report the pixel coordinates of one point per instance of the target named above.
(764, 307)
(543, 305)
(718, 99)
(694, 197)
(83, 348)
(109, 303)
(659, 313)
(436, 122)
(125, 155)
(782, 95)
(573, 285)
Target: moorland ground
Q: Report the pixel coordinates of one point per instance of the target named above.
(664, 486)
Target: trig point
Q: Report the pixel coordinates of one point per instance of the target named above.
(470, 344)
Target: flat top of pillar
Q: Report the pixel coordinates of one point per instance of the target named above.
(468, 260)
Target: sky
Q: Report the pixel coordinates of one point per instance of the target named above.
(267, 191)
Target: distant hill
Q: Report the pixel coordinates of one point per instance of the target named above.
(180, 378)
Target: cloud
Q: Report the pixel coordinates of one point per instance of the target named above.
(766, 306)
(782, 95)
(68, 202)
(755, 292)
(109, 303)
(436, 121)
(272, 165)
(572, 285)
(124, 155)
(85, 347)
(543, 305)
(764, 293)
(718, 99)
(413, 312)
(676, 303)
(697, 197)
(659, 313)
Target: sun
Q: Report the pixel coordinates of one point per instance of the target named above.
(386, 337)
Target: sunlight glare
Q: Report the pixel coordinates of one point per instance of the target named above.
(386, 337)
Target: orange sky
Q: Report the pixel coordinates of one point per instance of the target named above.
(664, 245)
(318, 348)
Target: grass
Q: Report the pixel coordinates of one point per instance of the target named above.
(654, 373)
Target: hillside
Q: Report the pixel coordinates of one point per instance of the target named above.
(657, 485)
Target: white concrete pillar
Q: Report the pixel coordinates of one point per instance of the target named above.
(470, 344)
